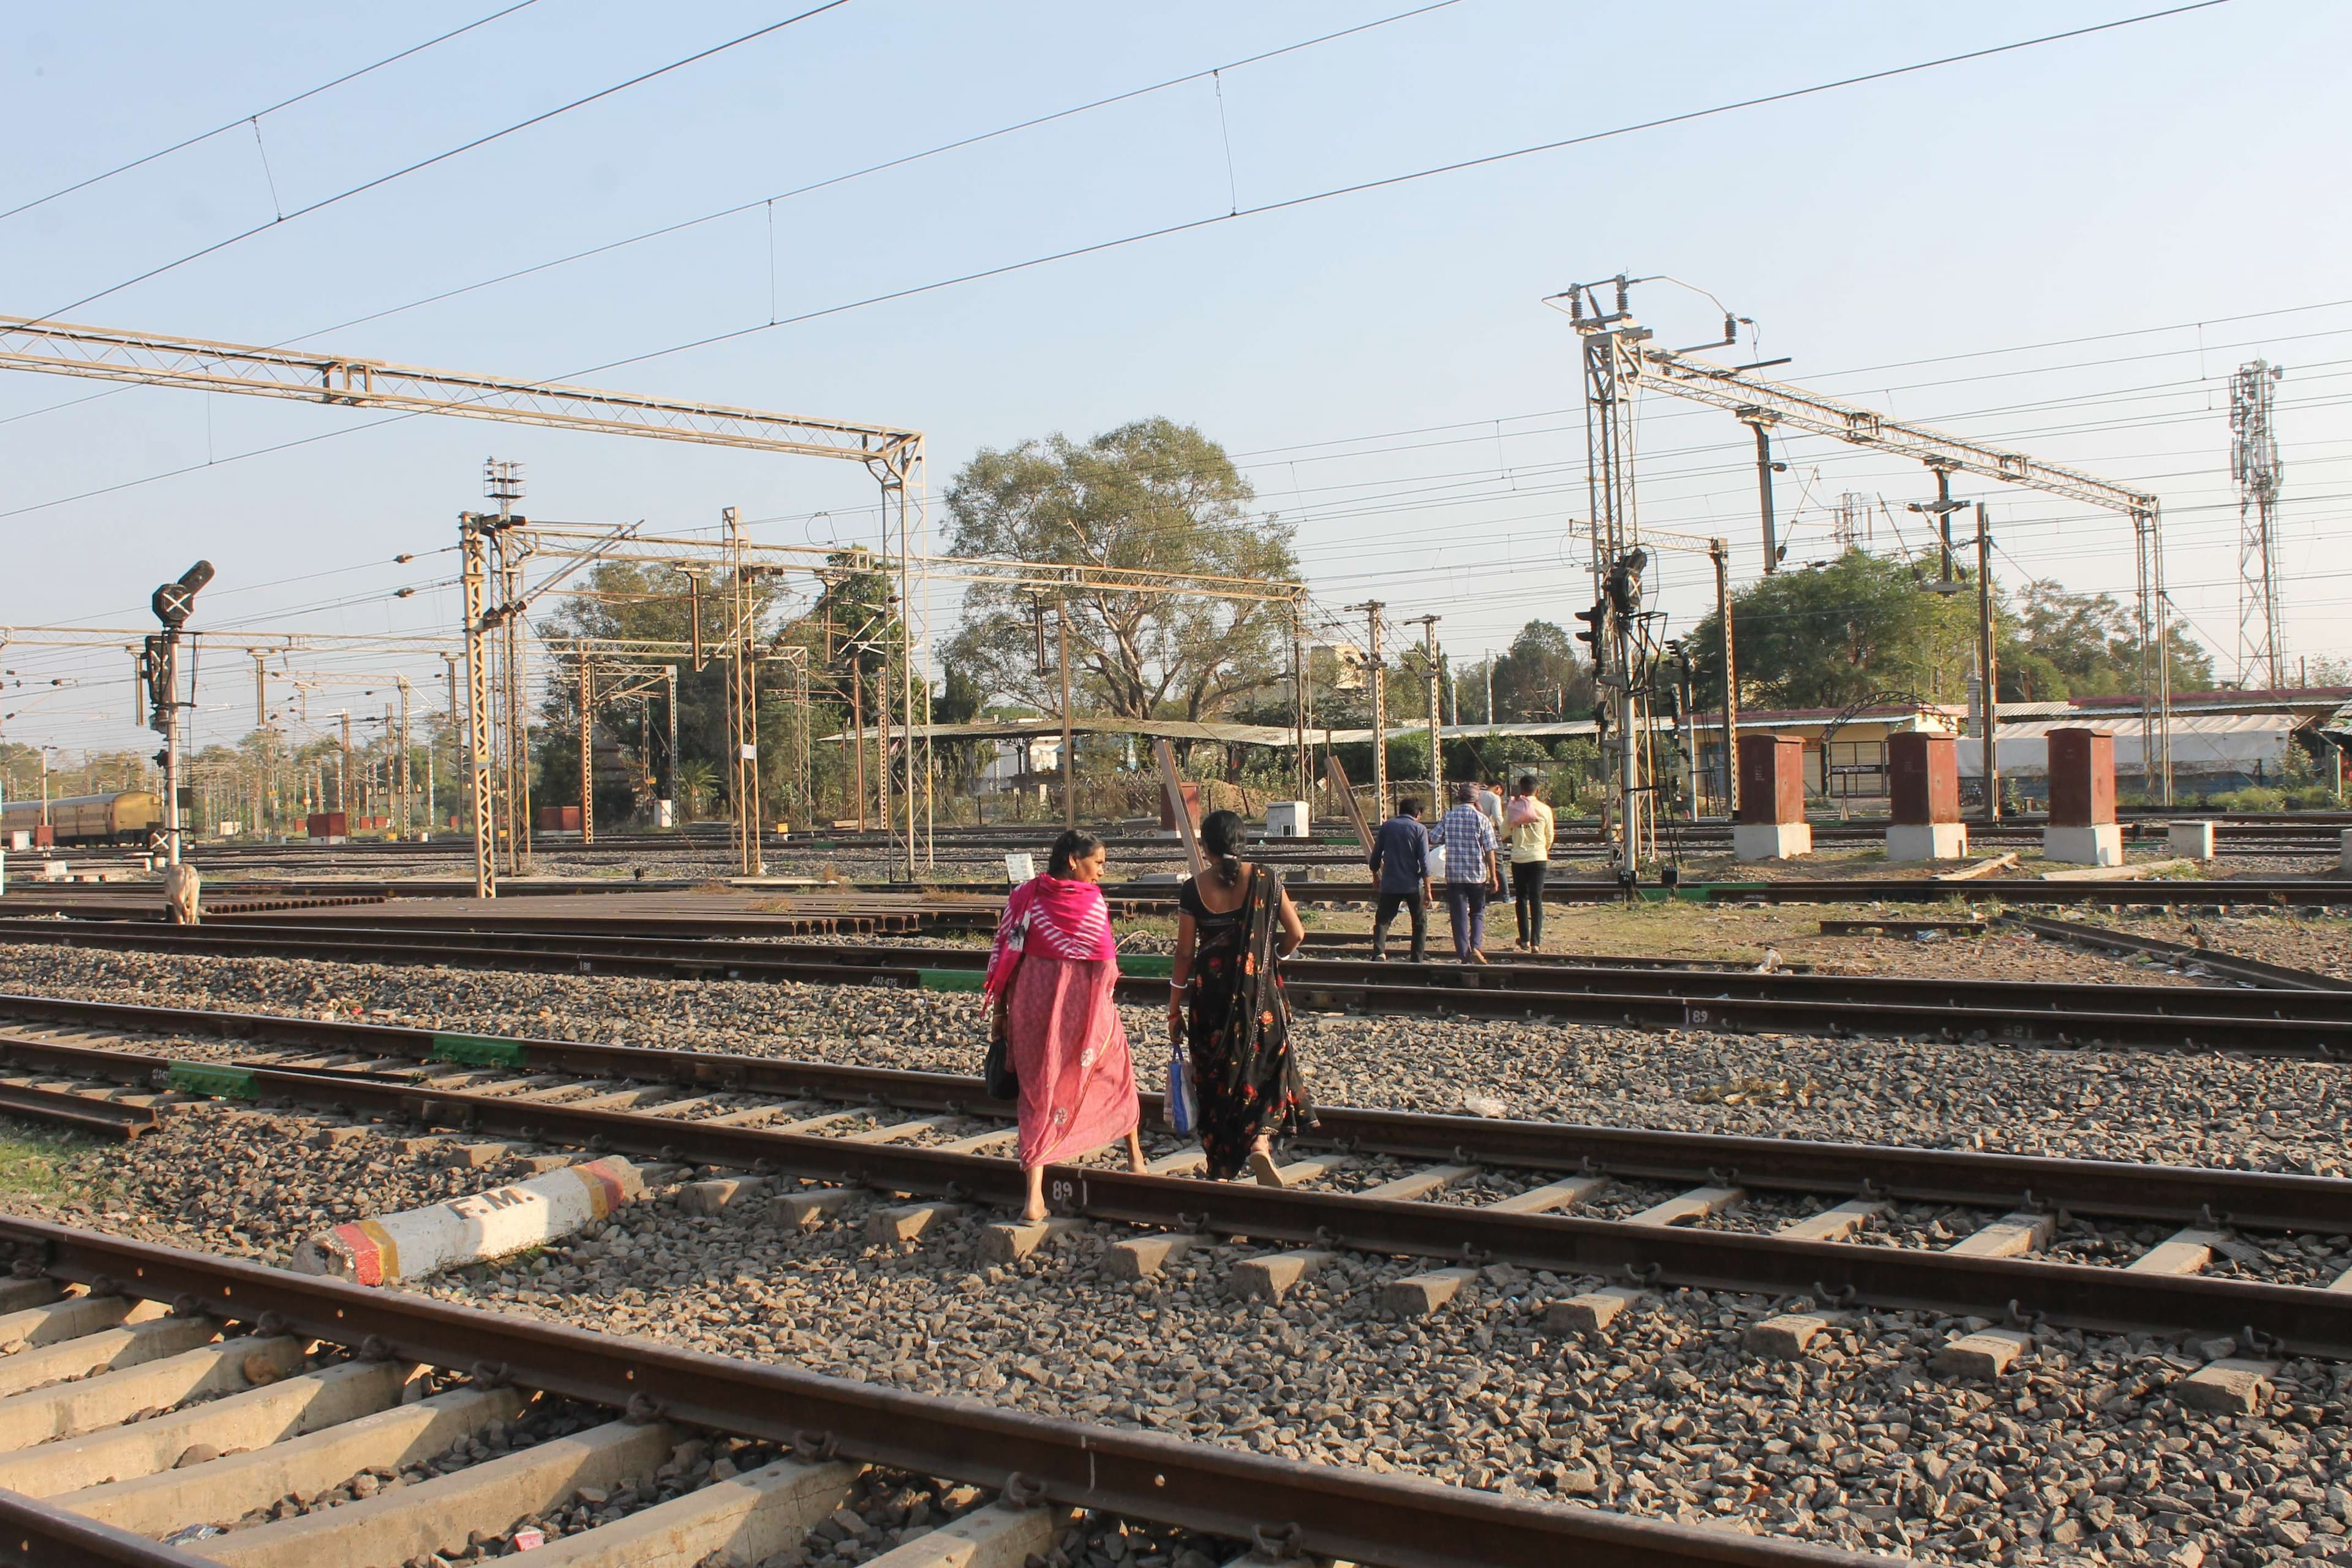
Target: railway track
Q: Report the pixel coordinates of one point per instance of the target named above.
(1946, 1231)
(2181, 955)
(2270, 1021)
(320, 1383)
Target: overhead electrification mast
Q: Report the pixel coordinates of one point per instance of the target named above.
(1733, 389)
(1612, 365)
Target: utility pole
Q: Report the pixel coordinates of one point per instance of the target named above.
(1372, 609)
(407, 780)
(502, 482)
(1762, 421)
(449, 673)
(857, 733)
(1070, 745)
(262, 743)
(587, 754)
(1428, 624)
(669, 757)
(343, 771)
(2254, 465)
(742, 706)
(1299, 700)
(1941, 509)
(1719, 552)
(1987, 665)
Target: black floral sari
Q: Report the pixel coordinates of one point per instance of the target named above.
(1239, 1032)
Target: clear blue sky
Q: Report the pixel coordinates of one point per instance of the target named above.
(1382, 360)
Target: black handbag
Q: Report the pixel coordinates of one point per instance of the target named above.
(997, 1075)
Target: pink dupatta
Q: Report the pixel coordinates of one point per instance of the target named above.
(1065, 919)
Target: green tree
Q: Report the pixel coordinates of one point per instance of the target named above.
(2086, 645)
(1540, 676)
(1836, 633)
(1151, 495)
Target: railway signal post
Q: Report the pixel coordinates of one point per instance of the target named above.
(173, 604)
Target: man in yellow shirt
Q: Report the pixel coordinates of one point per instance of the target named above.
(1527, 835)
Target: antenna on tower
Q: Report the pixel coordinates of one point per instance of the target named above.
(2254, 465)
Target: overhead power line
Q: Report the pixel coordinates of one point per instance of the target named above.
(1587, 138)
(462, 148)
(1031, 122)
(247, 118)
(1386, 182)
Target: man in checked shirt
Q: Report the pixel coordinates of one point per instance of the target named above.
(1470, 872)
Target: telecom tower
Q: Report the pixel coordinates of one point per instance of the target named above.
(1851, 524)
(2254, 465)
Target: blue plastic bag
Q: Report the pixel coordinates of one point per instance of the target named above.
(1184, 1104)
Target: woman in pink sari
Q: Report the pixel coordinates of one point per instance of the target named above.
(1051, 980)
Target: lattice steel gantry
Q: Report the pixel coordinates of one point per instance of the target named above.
(894, 457)
(2255, 465)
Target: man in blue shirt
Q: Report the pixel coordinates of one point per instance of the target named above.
(1470, 872)
(1401, 871)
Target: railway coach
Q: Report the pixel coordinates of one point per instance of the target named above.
(125, 816)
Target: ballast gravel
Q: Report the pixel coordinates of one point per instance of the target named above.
(2081, 1454)
(2243, 1112)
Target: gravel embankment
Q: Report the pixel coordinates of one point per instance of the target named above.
(2077, 1455)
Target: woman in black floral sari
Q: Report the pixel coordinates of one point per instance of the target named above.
(1236, 927)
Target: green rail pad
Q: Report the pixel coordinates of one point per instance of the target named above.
(220, 1082)
(1149, 966)
(476, 1051)
(953, 979)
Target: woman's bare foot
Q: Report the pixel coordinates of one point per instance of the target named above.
(1262, 1166)
(1033, 1210)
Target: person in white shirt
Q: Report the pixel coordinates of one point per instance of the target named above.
(1528, 834)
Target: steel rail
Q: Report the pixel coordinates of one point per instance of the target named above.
(2164, 1017)
(98, 1117)
(2173, 1194)
(2112, 1300)
(1132, 897)
(2102, 1300)
(2225, 893)
(1323, 1509)
(2237, 967)
(36, 1534)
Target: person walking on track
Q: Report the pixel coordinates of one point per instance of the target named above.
(1470, 873)
(1401, 871)
(1051, 980)
(1527, 831)
(1225, 1002)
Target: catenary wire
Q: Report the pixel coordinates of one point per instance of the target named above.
(255, 115)
(462, 148)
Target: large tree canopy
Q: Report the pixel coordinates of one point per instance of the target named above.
(1861, 627)
(1540, 676)
(1151, 495)
(1865, 626)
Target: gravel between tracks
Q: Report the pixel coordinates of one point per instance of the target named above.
(2249, 1112)
(2076, 1455)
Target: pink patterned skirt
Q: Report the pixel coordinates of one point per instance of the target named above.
(1077, 1080)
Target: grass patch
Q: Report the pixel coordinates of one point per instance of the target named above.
(47, 1162)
